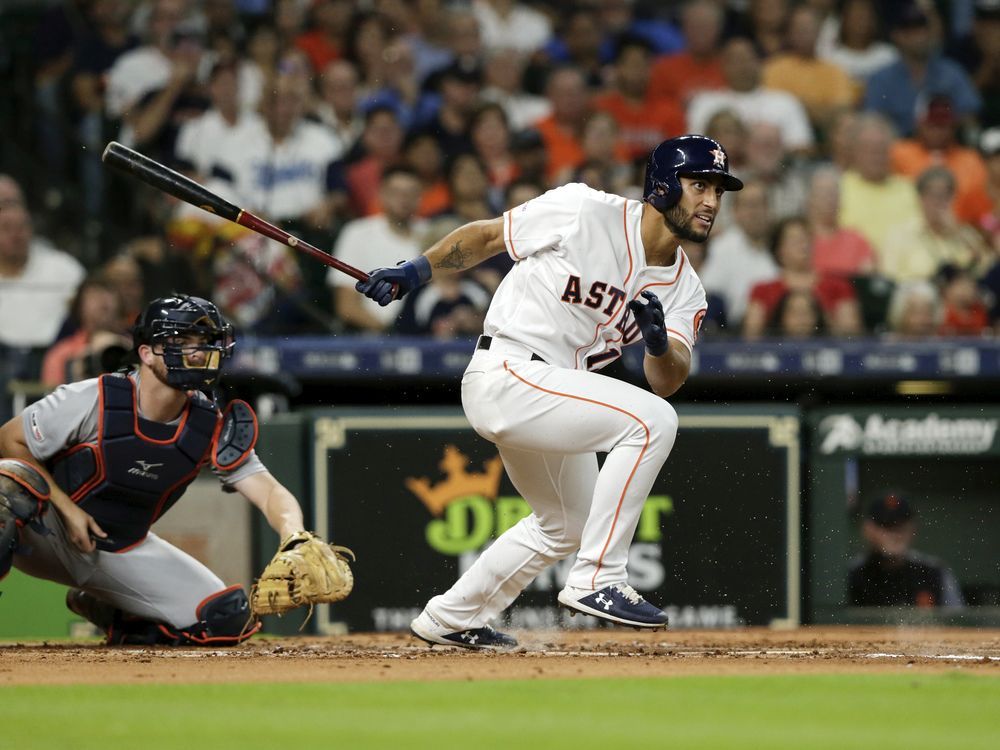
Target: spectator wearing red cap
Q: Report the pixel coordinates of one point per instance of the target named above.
(891, 573)
(934, 145)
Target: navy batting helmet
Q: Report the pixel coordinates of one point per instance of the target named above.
(687, 155)
(180, 325)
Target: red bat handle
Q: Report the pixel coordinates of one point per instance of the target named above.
(248, 220)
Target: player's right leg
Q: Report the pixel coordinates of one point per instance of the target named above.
(558, 488)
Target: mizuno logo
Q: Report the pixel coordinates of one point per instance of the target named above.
(142, 469)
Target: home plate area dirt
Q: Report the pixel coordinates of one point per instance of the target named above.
(365, 657)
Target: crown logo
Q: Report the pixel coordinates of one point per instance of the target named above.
(458, 482)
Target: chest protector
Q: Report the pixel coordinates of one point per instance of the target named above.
(137, 469)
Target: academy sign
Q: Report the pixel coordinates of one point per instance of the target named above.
(931, 434)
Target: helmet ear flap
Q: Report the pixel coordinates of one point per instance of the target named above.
(665, 194)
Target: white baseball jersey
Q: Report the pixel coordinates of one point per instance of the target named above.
(580, 260)
(282, 180)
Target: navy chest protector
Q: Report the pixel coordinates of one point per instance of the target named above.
(137, 469)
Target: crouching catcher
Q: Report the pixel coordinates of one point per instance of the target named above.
(112, 454)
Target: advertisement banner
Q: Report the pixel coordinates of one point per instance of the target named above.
(418, 495)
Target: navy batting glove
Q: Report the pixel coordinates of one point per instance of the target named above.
(649, 317)
(406, 276)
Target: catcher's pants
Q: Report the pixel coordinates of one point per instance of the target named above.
(154, 579)
(549, 423)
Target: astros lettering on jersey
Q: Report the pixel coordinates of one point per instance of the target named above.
(580, 261)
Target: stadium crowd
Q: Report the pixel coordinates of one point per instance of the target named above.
(867, 133)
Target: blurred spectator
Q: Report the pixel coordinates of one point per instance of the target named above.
(469, 187)
(890, 573)
(123, 273)
(602, 167)
(766, 21)
(288, 19)
(857, 48)
(106, 40)
(715, 311)
(984, 206)
(914, 311)
(491, 140)
(430, 35)
(792, 249)
(821, 86)
(579, 43)
(37, 281)
(739, 258)
(767, 161)
(750, 100)
(459, 86)
(644, 121)
(726, 127)
(399, 87)
(840, 139)
(324, 42)
(916, 249)
(561, 131)
(155, 88)
(285, 172)
(935, 145)
(377, 241)
(465, 38)
(223, 130)
(529, 152)
(449, 306)
(872, 199)
(921, 72)
(379, 147)
(258, 65)
(619, 18)
(698, 67)
(979, 54)
(366, 39)
(96, 309)
(836, 249)
(504, 74)
(964, 311)
(337, 106)
(797, 315)
(508, 24)
(422, 154)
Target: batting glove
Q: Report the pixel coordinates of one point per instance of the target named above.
(649, 317)
(405, 277)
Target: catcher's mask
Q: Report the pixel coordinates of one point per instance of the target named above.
(687, 156)
(176, 328)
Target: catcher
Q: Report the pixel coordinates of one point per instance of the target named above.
(112, 454)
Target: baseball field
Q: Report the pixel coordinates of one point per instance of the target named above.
(806, 688)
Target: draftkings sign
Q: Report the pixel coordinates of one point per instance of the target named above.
(418, 495)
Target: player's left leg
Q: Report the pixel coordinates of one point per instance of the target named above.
(558, 488)
(156, 593)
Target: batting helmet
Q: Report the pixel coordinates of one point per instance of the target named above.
(686, 156)
(182, 325)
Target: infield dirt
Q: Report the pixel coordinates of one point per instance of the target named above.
(365, 657)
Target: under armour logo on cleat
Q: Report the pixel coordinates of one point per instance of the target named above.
(606, 602)
(471, 638)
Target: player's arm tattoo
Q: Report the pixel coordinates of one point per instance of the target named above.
(456, 257)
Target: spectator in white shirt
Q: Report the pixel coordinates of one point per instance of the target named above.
(512, 25)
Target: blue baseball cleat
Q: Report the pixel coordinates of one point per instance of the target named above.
(618, 603)
(428, 629)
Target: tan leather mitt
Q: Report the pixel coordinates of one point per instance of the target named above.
(304, 571)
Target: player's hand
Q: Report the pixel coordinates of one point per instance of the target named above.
(649, 317)
(405, 277)
(82, 529)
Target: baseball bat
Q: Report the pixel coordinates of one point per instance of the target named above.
(163, 178)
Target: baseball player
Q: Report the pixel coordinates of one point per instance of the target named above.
(593, 272)
(117, 452)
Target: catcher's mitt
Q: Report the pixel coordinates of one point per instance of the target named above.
(304, 570)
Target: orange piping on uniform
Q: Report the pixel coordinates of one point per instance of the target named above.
(621, 498)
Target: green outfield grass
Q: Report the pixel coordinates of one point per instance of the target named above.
(937, 711)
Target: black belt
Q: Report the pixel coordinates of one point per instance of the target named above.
(485, 342)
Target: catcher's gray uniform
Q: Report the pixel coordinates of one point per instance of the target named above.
(152, 579)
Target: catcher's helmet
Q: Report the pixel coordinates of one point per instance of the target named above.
(182, 325)
(685, 156)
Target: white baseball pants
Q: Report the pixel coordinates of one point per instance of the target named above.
(549, 423)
